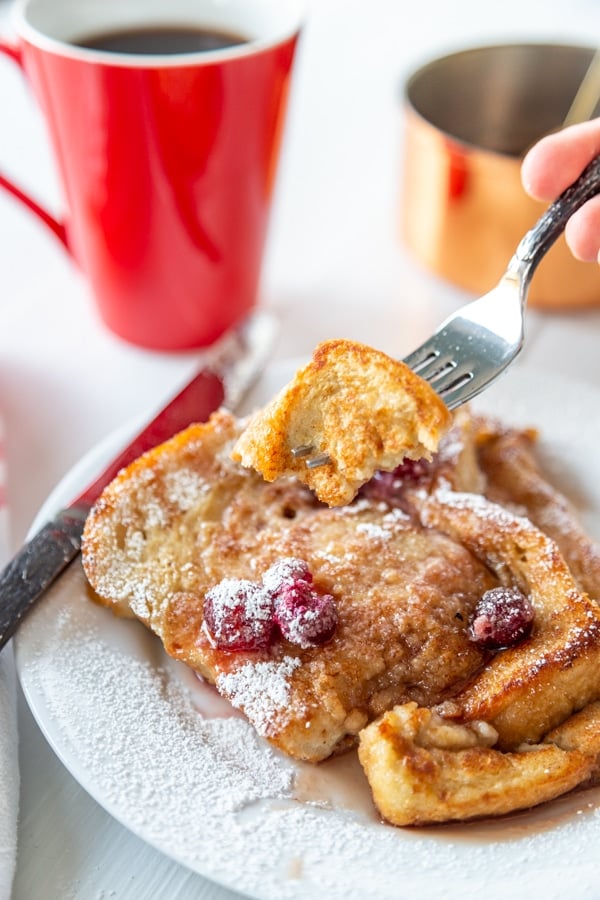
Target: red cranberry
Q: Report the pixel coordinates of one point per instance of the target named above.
(305, 617)
(288, 570)
(238, 615)
(242, 615)
(503, 617)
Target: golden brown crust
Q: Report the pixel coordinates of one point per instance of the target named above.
(360, 408)
(423, 770)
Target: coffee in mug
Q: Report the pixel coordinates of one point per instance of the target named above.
(163, 39)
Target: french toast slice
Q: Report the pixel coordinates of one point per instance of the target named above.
(357, 407)
(185, 516)
(530, 688)
(423, 769)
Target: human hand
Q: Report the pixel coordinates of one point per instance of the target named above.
(554, 163)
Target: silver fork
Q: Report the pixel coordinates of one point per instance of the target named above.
(478, 342)
(475, 345)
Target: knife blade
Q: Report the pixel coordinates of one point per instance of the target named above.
(228, 373)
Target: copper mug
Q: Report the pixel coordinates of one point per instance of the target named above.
(469, 119)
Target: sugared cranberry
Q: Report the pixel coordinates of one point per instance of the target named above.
(503, 617)
(288, 570)
(238, 615)
(242, 615)
(305, 617)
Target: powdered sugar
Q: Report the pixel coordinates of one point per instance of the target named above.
(261, 689)
(142, 717)
(480, 505)
(500, 516)
(395, 515)
(184, 487)
(231, 591)
(373, 531)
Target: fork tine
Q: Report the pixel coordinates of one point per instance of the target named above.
(450, 368)
(302, 450)
(455, 381)
(423, 357)
(440, 368)
(473, 346)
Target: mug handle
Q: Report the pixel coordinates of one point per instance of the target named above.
(13, 52)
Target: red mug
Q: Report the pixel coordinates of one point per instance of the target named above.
(167, 153)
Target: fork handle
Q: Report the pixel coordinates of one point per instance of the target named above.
(536, 243)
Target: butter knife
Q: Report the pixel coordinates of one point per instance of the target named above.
(228, 373)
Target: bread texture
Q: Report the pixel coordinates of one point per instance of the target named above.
(354, 405)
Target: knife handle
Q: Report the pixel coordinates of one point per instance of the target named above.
(37, 564)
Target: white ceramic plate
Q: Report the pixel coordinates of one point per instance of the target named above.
(176, 765)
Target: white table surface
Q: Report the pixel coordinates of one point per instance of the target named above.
(334, 268)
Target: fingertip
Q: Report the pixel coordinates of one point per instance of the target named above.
(540, 174)
(556, 160)
(582, 233)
